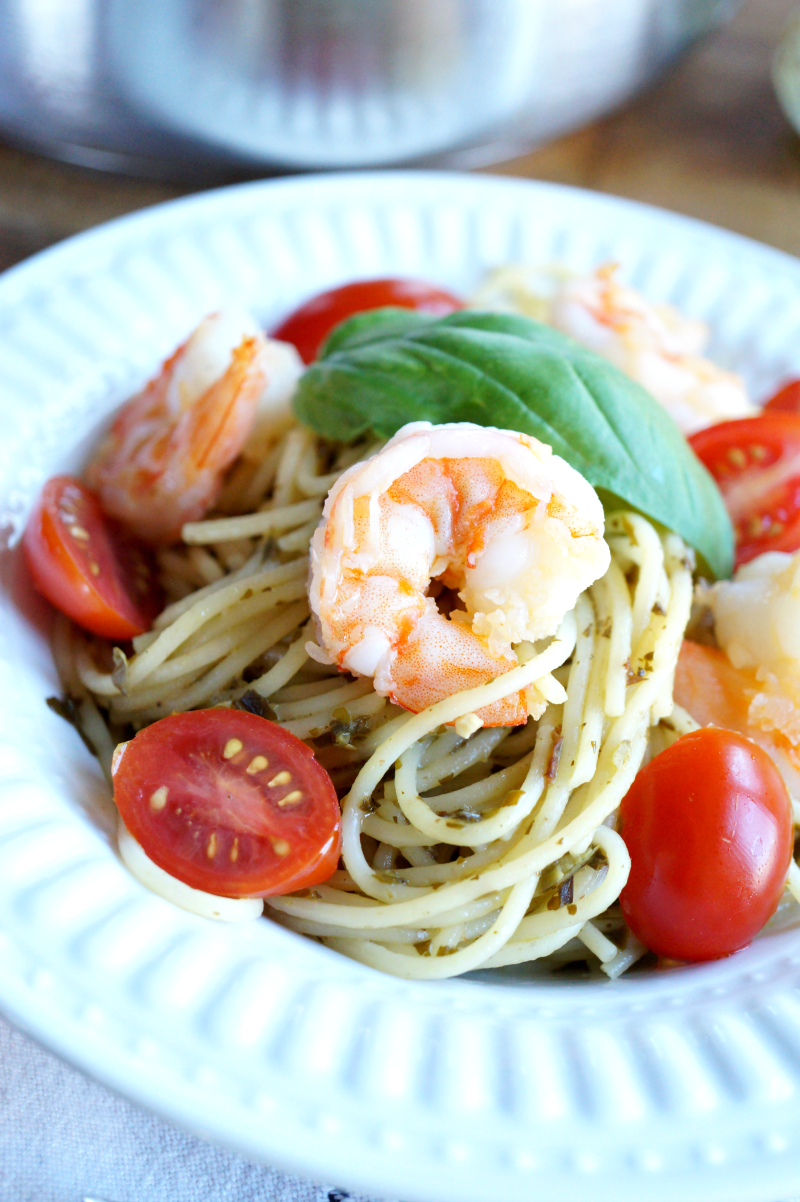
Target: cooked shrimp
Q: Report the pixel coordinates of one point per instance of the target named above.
(162, 461)
(655, 344)
(757, 614)
(753, 683)
(283, 367)
(715, 693)
(757, 623)
(490, 514)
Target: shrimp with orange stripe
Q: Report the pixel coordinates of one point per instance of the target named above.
(493, 525)
(655, 344)
(750, 682)
(162, 462)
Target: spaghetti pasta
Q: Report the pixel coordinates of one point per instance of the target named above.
(462, 848)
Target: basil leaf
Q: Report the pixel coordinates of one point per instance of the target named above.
(373, 326)
(387, 367)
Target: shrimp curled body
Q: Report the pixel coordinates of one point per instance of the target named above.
(490, 514)
(162, 461)
(752, 682)
(654, 344)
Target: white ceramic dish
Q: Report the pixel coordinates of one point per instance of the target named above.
(684, 1083)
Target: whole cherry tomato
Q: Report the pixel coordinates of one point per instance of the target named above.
(229, 803)
(756, 463)
(86, 566)
(708, 824)
(786, 399)
(309, 326)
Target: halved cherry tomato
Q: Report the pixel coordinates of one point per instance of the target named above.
(756, 463)
(786, 399)
(230, 803)
(708, 824)
(309, 326)
(85, 566)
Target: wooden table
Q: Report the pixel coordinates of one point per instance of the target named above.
(709, 140)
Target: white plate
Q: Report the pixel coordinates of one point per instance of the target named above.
(684, 1083)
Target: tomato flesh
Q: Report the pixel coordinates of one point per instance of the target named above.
(229, 803)
(86, 566)
(708, 824)
(786, 399)
(756, 463)
(309, 326)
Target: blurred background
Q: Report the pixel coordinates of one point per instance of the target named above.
(137, 101)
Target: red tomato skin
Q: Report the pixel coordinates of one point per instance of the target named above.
(121, 599)
(786, 399)
(309, 326)
(708, 824)
(775, 524)
(220, 828)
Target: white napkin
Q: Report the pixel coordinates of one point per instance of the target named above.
(64, 1137)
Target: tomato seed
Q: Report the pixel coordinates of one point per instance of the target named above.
(291, 798)
(758, 453)
(283, 778)
(79, 533)
(737, 457)
(232, 748)
(183, 754)
(257, 764)
(159, 799)
(119, 751)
